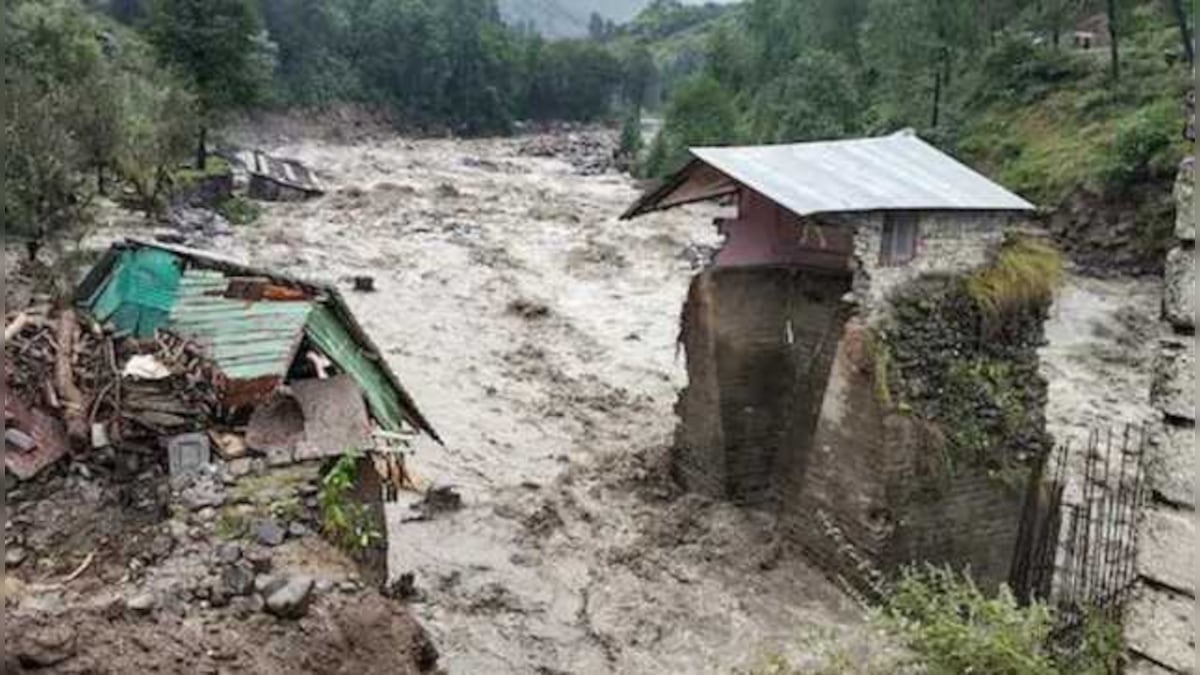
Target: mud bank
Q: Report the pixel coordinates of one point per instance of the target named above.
(539, 335)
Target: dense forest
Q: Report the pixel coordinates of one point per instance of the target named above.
(1050, 95)
(97, 90)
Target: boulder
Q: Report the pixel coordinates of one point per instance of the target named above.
(1159, 625)
(1185, 216)
(1179, 292)
(1173, 390)
(268, 532)
(237, 579)
(142, 603)
(1173, 466)
(291, 600)
(47, 646)
(1161, 557)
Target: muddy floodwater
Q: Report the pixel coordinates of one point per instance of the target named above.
(538, 333)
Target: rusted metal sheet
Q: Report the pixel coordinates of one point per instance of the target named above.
(48, 435)
(278, 179)
(335, 417)
(246, 339)
(311, 419)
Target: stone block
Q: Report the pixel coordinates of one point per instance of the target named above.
(1173, 390)
(1179, 292)
(1159, 625)
(1173, 465)
(1185, 214)
(1165, 548)
(188, 454)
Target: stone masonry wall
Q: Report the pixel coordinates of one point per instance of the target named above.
(948, 241)
(859, 498)
(1159, 629)
(759, 343)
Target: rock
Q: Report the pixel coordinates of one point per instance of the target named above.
(218, 597)
(1173, 390)
(349, 587)
(238, 579)
(441, 499)
(47, 647)
(142, 603)
(266, 584)
(247, 606)
(267, 532)
(291, 600)
(202, 493)
(237, 468)
(161, 546)
(1161, 557)
(1173, 466)
(1179, 288)
(403, 588)
(1185, 216)
(323, 586)
(297, 530)
(14, 556)
(228, 553)
(1159, 625)
(260, 560)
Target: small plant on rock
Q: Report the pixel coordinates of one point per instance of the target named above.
(346, 522)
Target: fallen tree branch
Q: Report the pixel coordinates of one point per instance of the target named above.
(12, 329)
(74, 408)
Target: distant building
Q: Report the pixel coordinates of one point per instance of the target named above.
(777, 410)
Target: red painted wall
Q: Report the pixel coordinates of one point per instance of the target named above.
(765, 233)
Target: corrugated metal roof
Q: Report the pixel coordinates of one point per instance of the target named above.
(246, 339)
(896, 172)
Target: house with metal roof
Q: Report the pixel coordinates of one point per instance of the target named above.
(262, 332)
(782, 406)
(885, 208)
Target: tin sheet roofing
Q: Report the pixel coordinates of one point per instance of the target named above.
(246, 339)
(896, 172)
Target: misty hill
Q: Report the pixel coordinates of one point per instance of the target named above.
(569, 18)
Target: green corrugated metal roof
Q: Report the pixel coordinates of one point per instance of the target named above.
(246, 339)
(139, 292)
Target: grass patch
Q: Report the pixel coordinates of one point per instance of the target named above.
(1024, 274)
(186, 177)
(239, 211)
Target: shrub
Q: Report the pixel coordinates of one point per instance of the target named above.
(239, 211)
(1024, 275)
(1143, 147)
(346, 522)
(952, 625)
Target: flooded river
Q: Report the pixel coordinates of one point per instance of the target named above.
(538, 333)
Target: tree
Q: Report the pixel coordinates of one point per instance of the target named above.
(700, 113)
(214, 42)
(1185, 32)
(814, 99)
(1111, 8)
(637, 74)
(158, 128)
(631, 135)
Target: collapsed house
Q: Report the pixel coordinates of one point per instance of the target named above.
(282, 358)
(274, 178)
(782, 408)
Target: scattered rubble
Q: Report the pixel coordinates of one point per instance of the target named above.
(592, 152)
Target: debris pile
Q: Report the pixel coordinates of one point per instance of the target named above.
(176, 349)
(591, 151)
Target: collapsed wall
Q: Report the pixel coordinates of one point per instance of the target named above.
(759, 344)
(927, 441)
(789, 406)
